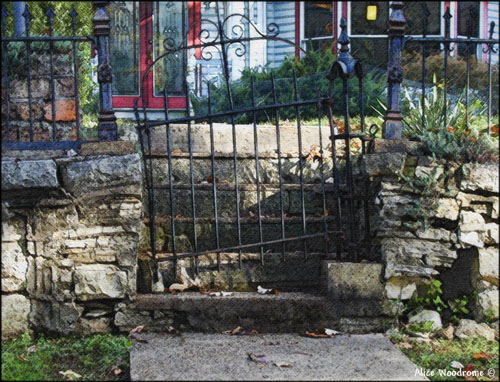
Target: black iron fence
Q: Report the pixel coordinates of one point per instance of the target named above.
(41, 81)
(435, 97)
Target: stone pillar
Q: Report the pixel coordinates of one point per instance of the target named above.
(393, 126)
(108, 130)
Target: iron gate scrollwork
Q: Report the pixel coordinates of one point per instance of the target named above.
(342, 225)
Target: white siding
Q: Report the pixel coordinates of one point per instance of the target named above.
(283, 14)
(493, 16)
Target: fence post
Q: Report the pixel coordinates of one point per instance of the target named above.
(393, 126)
(108, 130)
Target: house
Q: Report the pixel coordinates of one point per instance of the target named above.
(141, 31)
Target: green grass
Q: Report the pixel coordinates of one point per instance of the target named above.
(93, 357)
(439, 354)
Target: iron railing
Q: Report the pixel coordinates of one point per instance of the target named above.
(344, 227)
(21, 136)
(393, 126)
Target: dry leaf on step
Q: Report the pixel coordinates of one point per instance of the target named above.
(70, 375)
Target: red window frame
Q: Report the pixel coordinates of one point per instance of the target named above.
(146, 51)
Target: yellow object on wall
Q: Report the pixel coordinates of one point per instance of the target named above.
(371, 12)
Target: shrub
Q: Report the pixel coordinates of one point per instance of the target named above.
(311, 73)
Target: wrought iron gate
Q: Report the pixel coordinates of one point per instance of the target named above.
(341, 228)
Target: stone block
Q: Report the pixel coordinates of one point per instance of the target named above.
(470, 329)
(487, 304)
(19, 175)
(55, 318)
(93, 326)
(471, 222)
(102, 173)
(399, 288)
(396, 146)
(390, 164)
(98, 281)
(488, 264)
(447, 209)
(353, 280)
(427, 316)
(15, 312)
(107, 148)
(14, 266)
(480, 177)
(470, 239)
(491, 233)
(65, 111)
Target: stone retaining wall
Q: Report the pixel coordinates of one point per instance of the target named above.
(459, 245)
(70, 235)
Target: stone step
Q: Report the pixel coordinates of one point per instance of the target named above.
(287, 312)
(221, 357)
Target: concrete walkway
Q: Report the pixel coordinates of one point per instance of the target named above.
(198, 356)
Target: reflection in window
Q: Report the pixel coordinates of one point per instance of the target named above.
(361, 26)
(169, 18)
(468, 11)
(318, 17)
(413, 15)
(124, 47)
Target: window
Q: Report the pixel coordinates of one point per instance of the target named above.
(414, 18)
(124, 43)
(138, 31)
(318, 24)
(468, 12)
(361, 26)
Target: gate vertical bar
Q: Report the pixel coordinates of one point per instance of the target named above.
(73, 15)
(490, 50)
(225, 65)
(214, 179)
(280, 174)
(170, 178)
(27, 22)
(257, 172)
(301, 165)
(423, 50)
(5, 70)
(50, 18)
(447, 18)
(322, 174)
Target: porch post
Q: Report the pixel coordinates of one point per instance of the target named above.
(393, 126)
(108, 130)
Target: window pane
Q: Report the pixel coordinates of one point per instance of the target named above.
(168, 21)
(359, 23)
(124, 47)
(318, 19)
(413, 14)
(464, 14)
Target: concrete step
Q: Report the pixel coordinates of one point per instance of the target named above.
(216, 357)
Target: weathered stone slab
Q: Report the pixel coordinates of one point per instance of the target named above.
(55, 318)
(396, 146)
(391, 164)
(353, 280)
(488, 264)
(15, 311)
(104, 172)
(14, 266)
(427, 316)
(471, 222)
(398, 288)
(96, 281)
(487, 304)
(470, 328)
(19, 175)
(479, 177)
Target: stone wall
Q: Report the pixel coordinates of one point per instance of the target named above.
(16, 118)
(70, 235)
(446, 228)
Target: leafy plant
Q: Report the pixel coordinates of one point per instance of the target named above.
(431, 298)
(421, 327)
(459, 308)
(423, 208)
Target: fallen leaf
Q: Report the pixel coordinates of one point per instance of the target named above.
(172, 330)
(116, 370)
(176, 287)
(406, 345)
(282, 364)
(261, 290)
(70, 375)
(32, 349)
(301, 352)
(322, 333)
(177, 151)
(258, 358)
(330, 331)
(456, 365)
(22, 358)
(137, 329)
(481, 355)
(138, 339)
(240, 331)
(179, 216)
